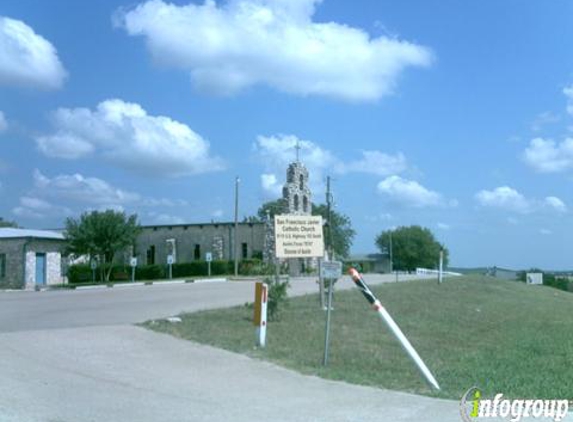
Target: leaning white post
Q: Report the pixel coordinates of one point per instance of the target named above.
(385, 316)
(260, 314)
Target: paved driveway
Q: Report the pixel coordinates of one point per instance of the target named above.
(75, 357)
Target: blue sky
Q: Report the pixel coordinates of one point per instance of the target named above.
(450, 114)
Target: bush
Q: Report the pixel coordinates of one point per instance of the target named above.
(80, 273)
(278, 296)
(150, 272)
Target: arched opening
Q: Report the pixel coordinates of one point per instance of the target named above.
(305, 204)
(296, 202)
(301, 182)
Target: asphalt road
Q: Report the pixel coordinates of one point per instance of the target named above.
(76, 357)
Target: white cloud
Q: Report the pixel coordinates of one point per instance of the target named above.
(243, 43)
(568, 91)
(444, 226)
(544, 119)
(124, 134)
(84, 190)
(505, 198)
(26, 58)
(409, 192)
(379, 163)
(37, 208)
(3, 122)
(546, 156)
(271, 185)
(555, 203)
(279, 151)
(163, 219)
(218, 213)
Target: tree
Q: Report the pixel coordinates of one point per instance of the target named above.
(342, 231)
(341, 226)
(412, 247)
(101, 235)
(6, 223)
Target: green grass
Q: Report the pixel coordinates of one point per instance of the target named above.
(501, 336)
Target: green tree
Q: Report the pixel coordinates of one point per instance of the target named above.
(412, 247)
(273, 208)
(101, 234)
(7, 223)
(342, 231)
(341, 226)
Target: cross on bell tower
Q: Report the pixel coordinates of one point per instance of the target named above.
(297, 147)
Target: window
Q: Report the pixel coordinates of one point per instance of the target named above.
(301, 182)
(2, 265)
(244, 250)
(296, 202)
(151, 255)
(197, 251)
(305, 204)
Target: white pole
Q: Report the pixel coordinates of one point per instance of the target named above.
(441, 273)
(361, 284)
(385, 316)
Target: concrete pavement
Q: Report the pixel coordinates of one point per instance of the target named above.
(73, 356)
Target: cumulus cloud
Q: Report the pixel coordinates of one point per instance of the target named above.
(544, 119)
(547, 156)
(3, 122)
(509, 199)
(163, 219)
(505, 198)
(555, 203)
(379, 163)
(26, 58)
(277, 152)
(84, 190)
(125, 134)
(271, 185)
(409, 193)
(242, 43)
(37, 208)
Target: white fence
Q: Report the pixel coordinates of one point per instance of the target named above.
(427, 271)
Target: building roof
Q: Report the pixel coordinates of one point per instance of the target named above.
(12, 233)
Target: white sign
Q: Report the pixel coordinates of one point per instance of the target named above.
(208, 257)
(534, 278)
(170, 259)
(331, 269)
(93, 265)
(133, 261)
(298, 236)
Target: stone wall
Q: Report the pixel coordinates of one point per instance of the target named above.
(16, 278)
(216, 238)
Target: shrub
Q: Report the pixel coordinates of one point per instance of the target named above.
(278, 296)
(150, 272)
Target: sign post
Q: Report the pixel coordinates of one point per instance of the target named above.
(330, 271)
(441, 270)
(133, 263)
(170, 261)
(209, 258)
(93, 265)
(260, 314)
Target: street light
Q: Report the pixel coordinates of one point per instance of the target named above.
(236, 243)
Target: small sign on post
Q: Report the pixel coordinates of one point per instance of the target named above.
(170, 261)
(331, 271)
(133, 264)
(260, 314)
(93, 266)
(209, 259)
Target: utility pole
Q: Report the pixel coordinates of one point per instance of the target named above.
(329, 219)
(236, 240)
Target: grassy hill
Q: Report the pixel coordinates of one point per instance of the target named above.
(500, 336)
